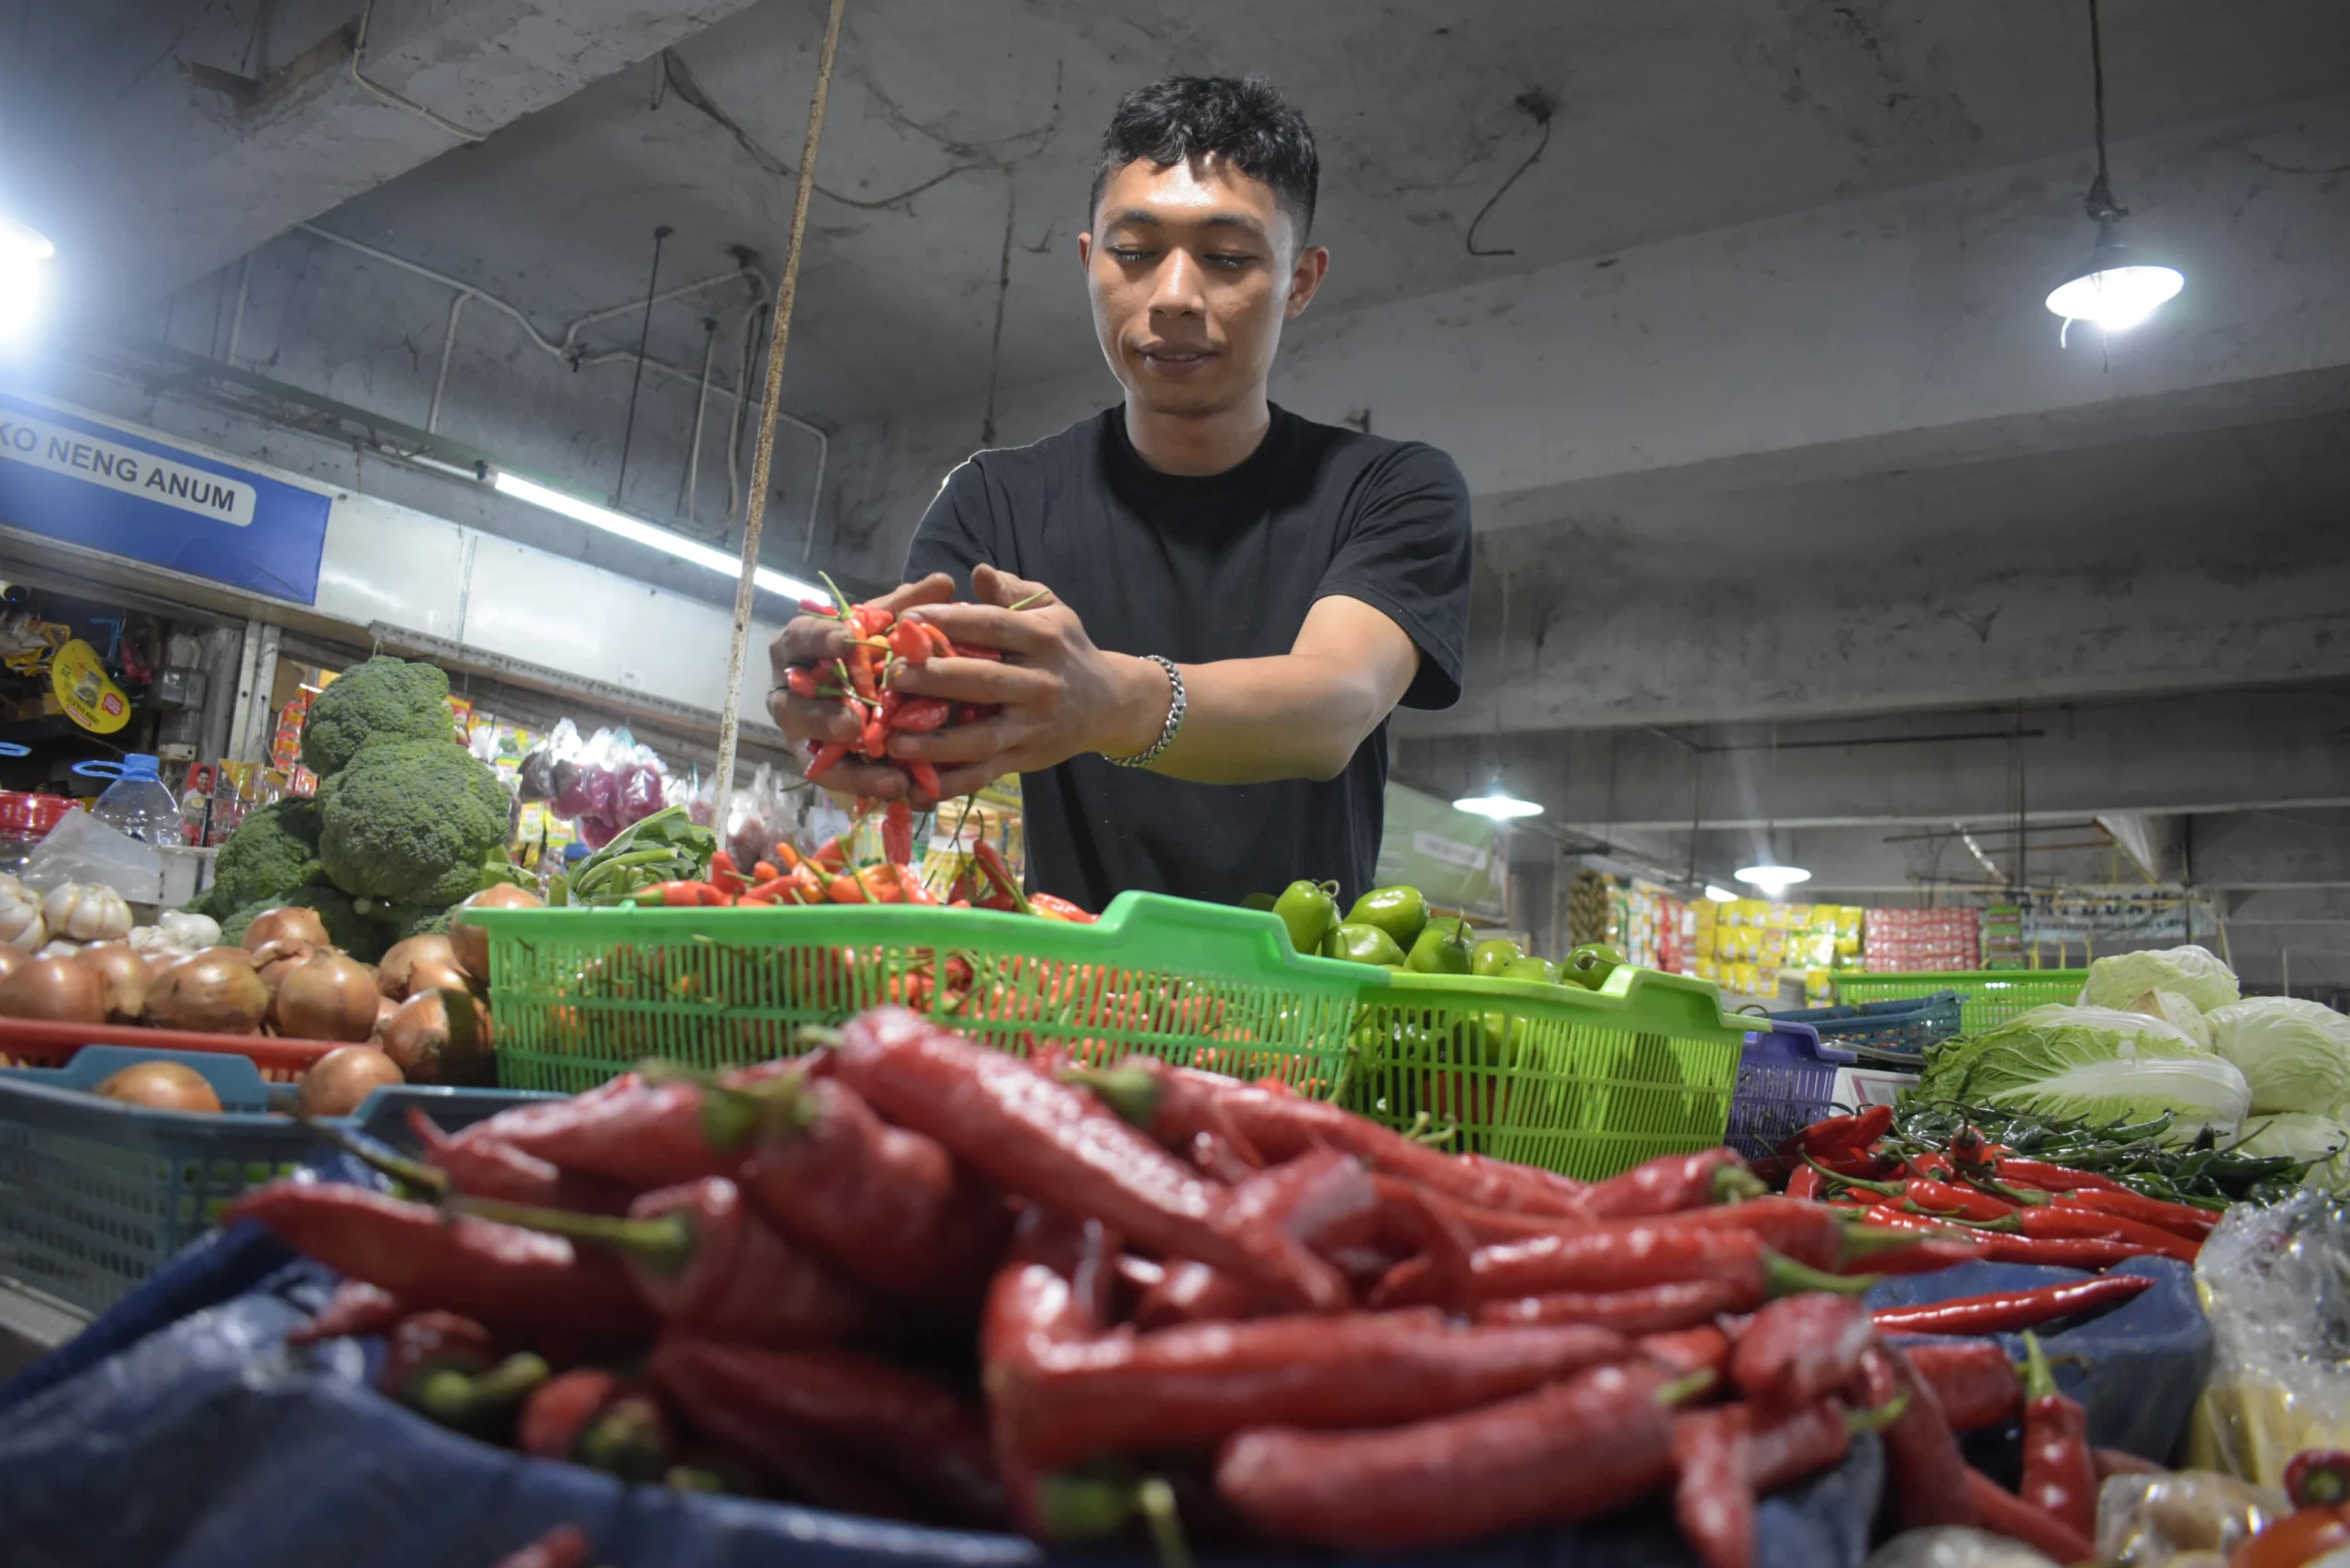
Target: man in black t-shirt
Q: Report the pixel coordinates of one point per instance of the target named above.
(1207, 605)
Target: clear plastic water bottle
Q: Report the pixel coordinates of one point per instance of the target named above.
(137, 802)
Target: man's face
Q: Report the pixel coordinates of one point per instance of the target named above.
(1191, 270)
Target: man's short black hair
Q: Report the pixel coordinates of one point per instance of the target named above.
(1241, 118)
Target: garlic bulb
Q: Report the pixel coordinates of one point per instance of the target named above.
(86, 911)
(193, 932)
(21, 922)
(60, 948)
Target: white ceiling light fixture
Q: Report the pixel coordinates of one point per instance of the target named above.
(1497, 803)
(1773, 879)
(2113, 288)
(1719, 894)
(646, 534)
(25, 256)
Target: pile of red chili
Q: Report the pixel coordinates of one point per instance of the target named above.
(912, 1277)
(880, 643)
(826, 876)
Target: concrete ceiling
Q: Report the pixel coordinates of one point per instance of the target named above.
(1768, 436)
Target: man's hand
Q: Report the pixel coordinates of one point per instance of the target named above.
(819, 640)
(1059, 696)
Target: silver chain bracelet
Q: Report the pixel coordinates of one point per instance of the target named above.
(1176, 703)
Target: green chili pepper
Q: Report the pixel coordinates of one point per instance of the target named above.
(1362, 945)
(1309, 910)
(1490, 957)
(1401, 912)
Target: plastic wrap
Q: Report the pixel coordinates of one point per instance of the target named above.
(81, 848)
(1953, 1548)
(2189, 1518)
(602, 783)
(2275, 1285)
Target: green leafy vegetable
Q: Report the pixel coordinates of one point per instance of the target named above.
(2093, 1065)
(2192, 972)
(2294, 1053)
(666, 847)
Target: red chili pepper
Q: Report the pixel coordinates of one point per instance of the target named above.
(1438, 1255)
(1326, 1201)
(800, 681)
(1566, 1452)
(939, 644)
(1060, 1402)
(2053, 1178)
(489, 1167)
(2068, 1224)
(1652, 1309)
(704, 1263)
(920, 715)
(1629, 1254)
(566, 1546)
(1175, 1108)
(1971, 1377)
(2179, 1219)
(830, 856)
(823, 607)
(873, 743)
(2306, 1535)
(898, 833)
(1842, 1135)
(1047, 1140)
(872, 619)
(1938, 1199)
(827, 755)
(907, 640)
(2060, 1253)
(560, 1410)
(424, 1346)
(2001, 1512)
(357, 1309)
(641, 1136)
(1712, 1498)
(1688, 1352)
(875, 1413)
(598, 1418)
(991, 863)
(2004, 1312)
(1784, 1449)
(1052, 906)
(1970, 1150)
(725, 874)
(1799, 1349)
(1925, 1467)
(911, 888)
(509, 1279)
(1669, 1185)
(2058, 1475)
(1804, 1183)
(887, 1206)
(2318, 1478)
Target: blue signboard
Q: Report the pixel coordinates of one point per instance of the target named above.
(104, 488)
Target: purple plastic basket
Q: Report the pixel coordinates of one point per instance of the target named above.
(1786, 1080)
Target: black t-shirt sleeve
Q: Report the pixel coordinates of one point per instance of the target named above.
(1407, 556)
(958, 532)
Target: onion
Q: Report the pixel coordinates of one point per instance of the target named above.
(274, 962)
(386, 1009)
(394, 976)
(56, 989)
(471, 942)
(159, 960)
(326, 997)
(215, 992)
(441, 1036)
(283, 930)
(9, 958)
(124, 975)
(161, 1086)
(426, 974)
(341, 1081)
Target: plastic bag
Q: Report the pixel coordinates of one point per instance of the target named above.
(2275, 1285)
(1949, 1547)
(2182, 1519)
(81, 848)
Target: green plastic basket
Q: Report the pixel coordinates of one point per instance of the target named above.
(1587, 1083)
(580, 995)
(1988, 997)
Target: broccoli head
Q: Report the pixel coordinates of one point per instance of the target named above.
(376, 701)
(346, 928)
(274, 851)
(398, 922)
(411, 822)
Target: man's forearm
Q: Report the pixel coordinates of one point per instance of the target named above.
(1252, 721)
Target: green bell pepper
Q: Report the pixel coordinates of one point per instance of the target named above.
(1590, 965)
(1309, 910)
(1401, 912)
(1442, 949)
(1362, 945)
(1490, 958)
(1532, 969)
(1258, 901)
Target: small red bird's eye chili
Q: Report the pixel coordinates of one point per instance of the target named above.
(1799, 1349)
(1927, 1472)
(800, 681)
(890, 1207)
(1971, 1377)
(920, 715)
(827, 755)
(1670, 1184)
(907, 640)
(875, 1413)
(1052, 906)
(1652, 1309)
(1712, 1497)
(2006, 1312)
(516, 1280)
(702, 1261)
(2000, 1511)
(898, 833)
(566, 1546)
(1052, 1142)
(2058, 1473)
(1562, 1453)
(357, 1309)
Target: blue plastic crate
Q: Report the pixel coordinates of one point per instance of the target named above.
(1896, 1031)
(1786, 1080)
(94, 1196)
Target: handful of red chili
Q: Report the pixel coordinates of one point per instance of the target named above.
(880, 643)
(913, 1277)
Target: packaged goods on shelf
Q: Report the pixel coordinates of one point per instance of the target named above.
(1658, 930)
(1906, 941)
(2002, 938)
